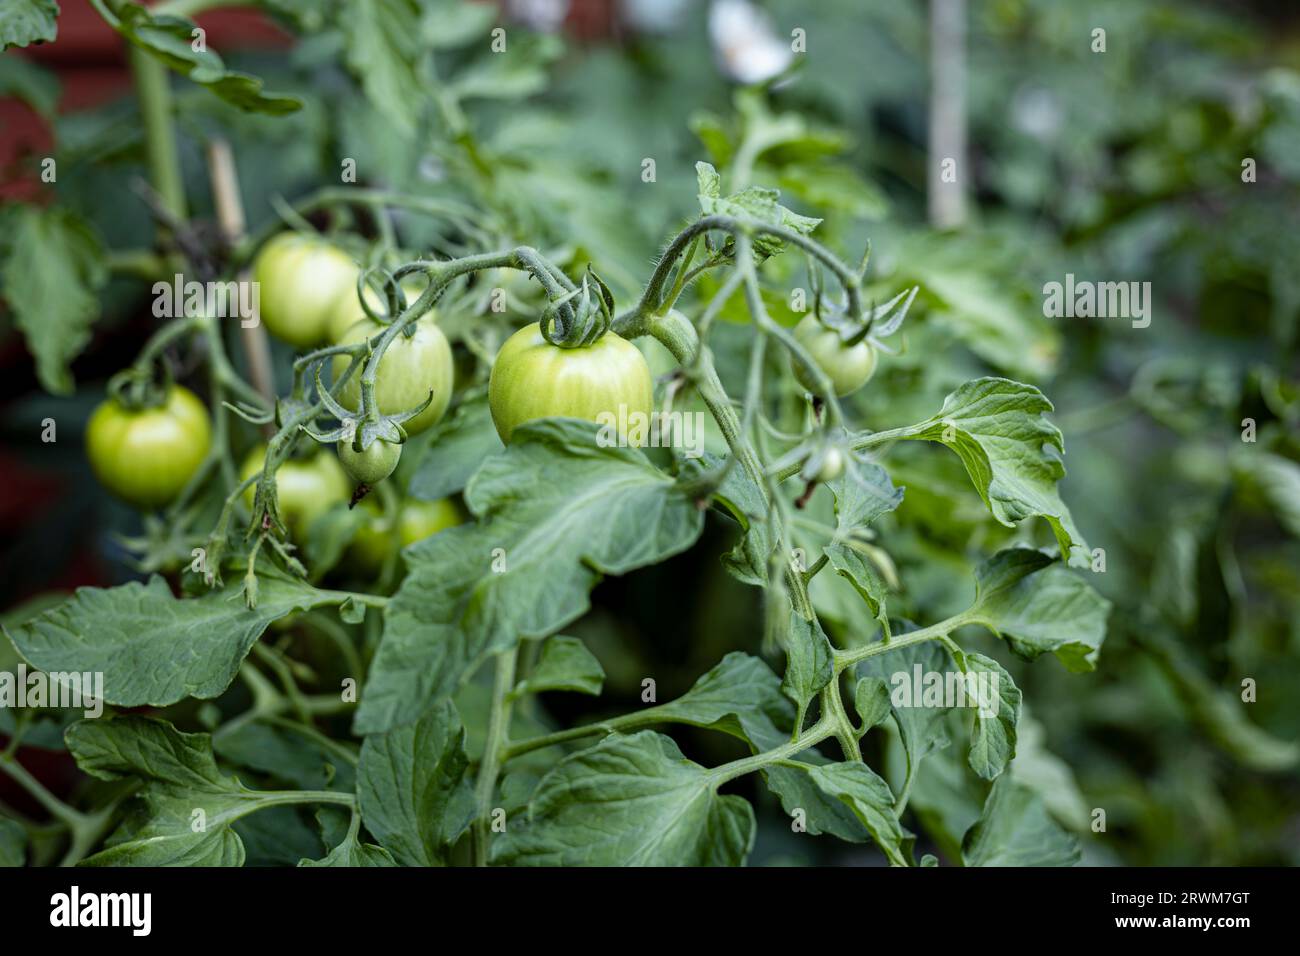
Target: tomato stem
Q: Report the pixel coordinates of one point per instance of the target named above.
(493, 750)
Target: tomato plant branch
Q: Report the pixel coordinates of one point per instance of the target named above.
(191, 8)
(464, 217)
(652, 299)
(497, 741)
(825, 727)
(151, 83)
(56, 808)
(845, 732)
(935, 632)
(140, 263)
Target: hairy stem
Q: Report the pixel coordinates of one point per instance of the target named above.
(497, 734)
(159, 136)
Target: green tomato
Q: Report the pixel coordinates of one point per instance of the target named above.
(417, 520)
(348, 312)
(423, 519)
(532, 379)
(306, 488)
(147, 456)
(371, 466)
(301, 280)
(832, 465)
(849, 367)
(410, 369)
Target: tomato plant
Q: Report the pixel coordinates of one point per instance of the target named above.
(566, 503)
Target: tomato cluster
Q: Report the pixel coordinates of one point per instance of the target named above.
(308, 292)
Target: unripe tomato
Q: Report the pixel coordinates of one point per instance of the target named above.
(848, 367)
(372, 465)
(417, 520)
(422, 519)
(532, 379)
(301, 280)
(832, 465)
(348, 312)
(147, 456)
(410, 369)
(306, 488)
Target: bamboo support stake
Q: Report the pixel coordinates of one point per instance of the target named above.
(230, 218)
(949, 169)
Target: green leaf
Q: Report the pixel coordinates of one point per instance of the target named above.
(329, 535)
(754, 203)
(852, 565)
(808, 661)
(152, 648)
(23, 22)
(709, 183)
(741, 696)
(180, 778)
(277, 836)
(286, 754)
(455, 449)
(564, 664)
(1221, 716)
(382, 49)
(451, 24)
(862, 494)
(53, 273)
(921, 727)
(1015, 829)
(629, 801)
(517, 73)
(352, 852)
(1038, 605)
(743, 500)
(971, 290)
(1048, 775)
(37, 87)
(946, 800)
(822, 812)
(1011, 452)
(412, 787)
(712, 134)
(13, 843)
(833, 187)
(993, 738)
(171, 40)
(859, 788)
(555, 512)
(871, 701)
(1278, 480)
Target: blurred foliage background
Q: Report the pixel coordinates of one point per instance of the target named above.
(1116, 166)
